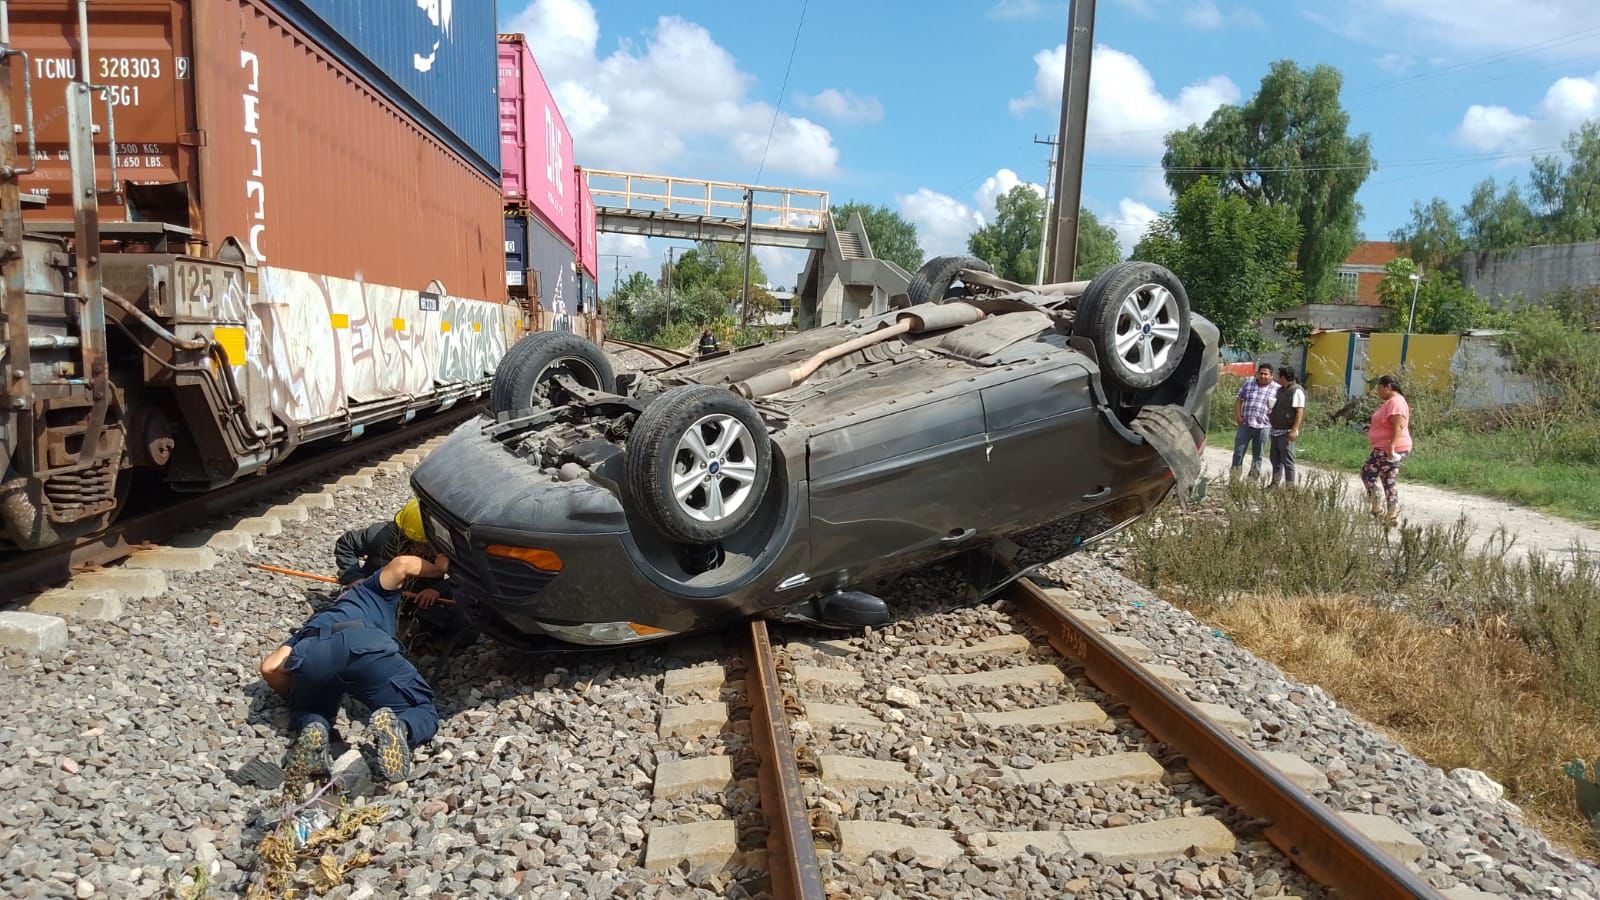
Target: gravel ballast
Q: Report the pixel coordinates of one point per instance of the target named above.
(116, 752)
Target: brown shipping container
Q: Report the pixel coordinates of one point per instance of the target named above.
(232, 123)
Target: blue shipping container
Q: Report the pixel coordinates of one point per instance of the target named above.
(435, 59)
(536, 258)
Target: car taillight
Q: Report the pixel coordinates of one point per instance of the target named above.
(543, 560)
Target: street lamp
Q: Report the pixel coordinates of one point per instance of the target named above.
(1416, 282)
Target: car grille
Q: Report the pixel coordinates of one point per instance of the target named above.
(476, 571)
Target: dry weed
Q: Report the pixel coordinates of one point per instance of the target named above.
(1472, 695)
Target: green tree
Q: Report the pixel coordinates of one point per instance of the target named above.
(1011, 242)
(1288, 146)
(1433, 235)
(1568, 191)
(892, 236)
(1098, 248)
(1498, 220)
(1443, 305)
(1235, 258)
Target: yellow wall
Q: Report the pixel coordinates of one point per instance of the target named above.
(1326, 359)
(1427, 358)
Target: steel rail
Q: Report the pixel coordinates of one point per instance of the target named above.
(1309, 833)
(33, 570)
(660, 354)
(791, 850)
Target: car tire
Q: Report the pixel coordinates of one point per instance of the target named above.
(1137, 316)
(706, 431)
(533, 361)
(932, 281)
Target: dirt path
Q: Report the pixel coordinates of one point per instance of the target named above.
(1532, 530)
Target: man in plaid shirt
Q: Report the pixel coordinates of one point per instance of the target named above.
(1252, 411)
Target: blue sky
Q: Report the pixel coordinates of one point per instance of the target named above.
(932, 107)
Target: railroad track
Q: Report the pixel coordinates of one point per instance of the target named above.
(28, 572)
(810, 730)
(660, 354)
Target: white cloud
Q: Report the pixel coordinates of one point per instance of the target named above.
(1395, 63)
(1568, 103)
(1560, 29)
(843, 106)
(1127, 112)
(1130, 221)
(782, 266)
(1203, 15)
(647, 108)
(998, 185)
(943, 222)
(1016, 9)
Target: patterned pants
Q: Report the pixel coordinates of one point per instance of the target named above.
(1379, 467)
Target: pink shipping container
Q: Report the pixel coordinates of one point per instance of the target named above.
(535, 145)
(588, 252)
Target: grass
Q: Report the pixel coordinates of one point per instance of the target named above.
(1546, 466)
(1464, 655)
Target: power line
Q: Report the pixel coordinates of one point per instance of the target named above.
(1472, 63)
(792, 48)
(1330, 167)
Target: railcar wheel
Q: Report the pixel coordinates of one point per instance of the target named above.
(698, 463)
(524, 377)
(1137, 316)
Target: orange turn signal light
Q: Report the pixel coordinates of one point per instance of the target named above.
(645, 630)
(543, 560)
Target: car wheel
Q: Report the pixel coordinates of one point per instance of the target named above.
(698, 463)
(1137, 316)
(523, 379)
(932, 281)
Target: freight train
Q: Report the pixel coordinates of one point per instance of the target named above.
(230, 228)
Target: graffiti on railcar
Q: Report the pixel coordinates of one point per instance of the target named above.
(300, 321)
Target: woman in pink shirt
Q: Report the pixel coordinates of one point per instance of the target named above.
(1389, 436)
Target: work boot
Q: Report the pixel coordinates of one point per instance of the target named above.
(308, 755)
(1392, 517)
(1376, 504)
(391, 746)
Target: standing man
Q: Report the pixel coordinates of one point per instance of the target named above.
(1288, 410)
(708, 343)
(349, 648)
(1252, 412)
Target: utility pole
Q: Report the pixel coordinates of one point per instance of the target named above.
(616, 271)
(671, 251)
(749, 215)
(1069, 155)
(1044, 227)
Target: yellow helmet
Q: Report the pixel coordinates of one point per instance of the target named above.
(409, 520)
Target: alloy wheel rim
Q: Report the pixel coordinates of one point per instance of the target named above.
(1146, 328)
(714, 468)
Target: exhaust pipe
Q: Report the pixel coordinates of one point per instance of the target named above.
(922, 319)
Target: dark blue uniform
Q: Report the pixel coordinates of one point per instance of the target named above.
(349, 648)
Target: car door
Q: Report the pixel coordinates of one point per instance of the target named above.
(1046, 458)
(907, 486)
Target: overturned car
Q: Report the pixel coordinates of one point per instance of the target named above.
(793, 479)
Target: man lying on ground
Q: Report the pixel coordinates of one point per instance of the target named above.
(350, 648)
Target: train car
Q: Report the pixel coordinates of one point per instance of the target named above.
(537, 175)
(546, 267)
(588, 248)
(250, 224)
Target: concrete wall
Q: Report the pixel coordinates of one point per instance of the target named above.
(1322, 315)
(1531, 272)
